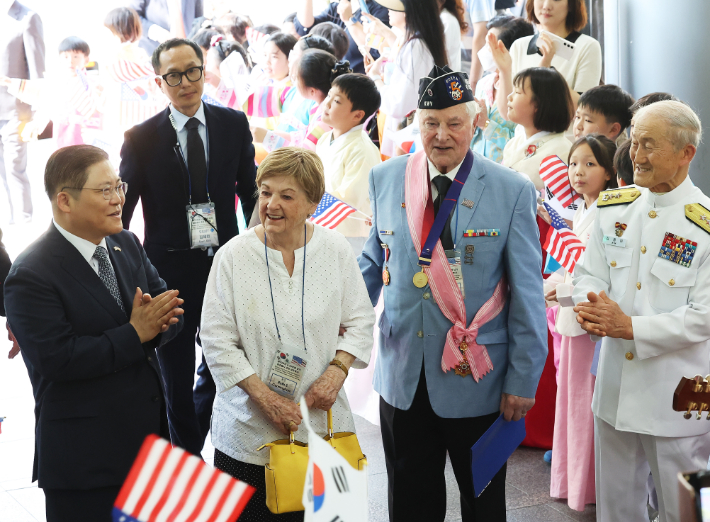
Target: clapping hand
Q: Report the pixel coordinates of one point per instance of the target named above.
(151, 316)
(603, 317)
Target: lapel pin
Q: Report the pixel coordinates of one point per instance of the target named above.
(620, 228)
(117, 248)
(403, 205)
(467, 203)
(387, 232)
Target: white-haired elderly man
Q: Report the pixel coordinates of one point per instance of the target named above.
(643, 286)
(454, 246)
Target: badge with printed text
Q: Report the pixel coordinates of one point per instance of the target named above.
(454, 88)
(678, 250)
(287, 370)
(614, 241)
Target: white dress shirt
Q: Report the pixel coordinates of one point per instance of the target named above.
(434, 172)
(181, 120)
(85, 248)
(239, 336)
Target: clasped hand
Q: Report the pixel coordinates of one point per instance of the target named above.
(151, 316)
(515, 408)
(603, 317)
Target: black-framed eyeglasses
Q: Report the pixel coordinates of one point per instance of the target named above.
(121, 189)
(174, 79)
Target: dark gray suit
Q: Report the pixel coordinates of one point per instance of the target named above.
(155, 12)
(21, 56)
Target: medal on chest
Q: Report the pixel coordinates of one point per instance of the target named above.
(385, 270)
(678, 250)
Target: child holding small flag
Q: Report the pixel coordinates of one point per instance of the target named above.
(591, 171)
(347, 152)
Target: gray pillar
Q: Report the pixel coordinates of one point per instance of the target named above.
(657, 45)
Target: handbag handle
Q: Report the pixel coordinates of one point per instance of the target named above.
(330, 423)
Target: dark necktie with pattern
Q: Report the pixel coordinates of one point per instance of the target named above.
(196, 162)
(442, 184)
(107, 275)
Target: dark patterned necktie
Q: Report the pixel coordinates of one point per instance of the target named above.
(107, 275)
(196, 162)
(442, 184)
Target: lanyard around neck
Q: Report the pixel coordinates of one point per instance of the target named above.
(452, 197)
(303, 285)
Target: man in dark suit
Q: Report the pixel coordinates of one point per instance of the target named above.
(79, 302)
(165, 19)
(21, 56)
(181, 162)
(5, 265)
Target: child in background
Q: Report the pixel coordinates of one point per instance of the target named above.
(68, 96)
(335, 35)
(492, 131)
(623, 165)
(226, 74)
(542, 105)
(315, 72)
(347, 152)
(132, 96)
(605, 109)
(591, 171)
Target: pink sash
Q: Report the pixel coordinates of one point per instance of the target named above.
(461, 351)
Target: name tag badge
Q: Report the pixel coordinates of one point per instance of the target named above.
(454, 258)
(614, 241)
(287, 371)
(202, 222)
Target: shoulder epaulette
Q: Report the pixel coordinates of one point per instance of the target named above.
(699, 215)
(622, 196)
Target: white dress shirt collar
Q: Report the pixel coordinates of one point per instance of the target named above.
(674, 196)
(85, 248)
(433, 171)
(181, 119)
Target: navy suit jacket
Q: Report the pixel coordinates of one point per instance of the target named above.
(98, 391)
(156, 174)
(152, 12)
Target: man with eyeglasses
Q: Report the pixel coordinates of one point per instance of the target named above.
(89, 311)
(183, 164)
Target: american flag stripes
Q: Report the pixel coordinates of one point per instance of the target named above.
(561, 243)
(553, 172)
(331, 212)
(169, 484)
(124, 71)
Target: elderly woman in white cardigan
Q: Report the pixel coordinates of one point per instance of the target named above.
(283, 288)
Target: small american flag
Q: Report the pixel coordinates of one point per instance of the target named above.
(331, 212)
(561, 243)
(297, 360)
(553, 172)
(124, 71)
(167, 483)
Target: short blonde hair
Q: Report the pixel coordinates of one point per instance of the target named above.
(301, 164)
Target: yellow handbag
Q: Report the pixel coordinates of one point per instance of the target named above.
(286, 471)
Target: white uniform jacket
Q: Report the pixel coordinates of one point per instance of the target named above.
(669, 304)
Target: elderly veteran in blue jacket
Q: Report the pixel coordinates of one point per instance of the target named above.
(454, 246)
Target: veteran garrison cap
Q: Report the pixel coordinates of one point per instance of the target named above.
(444, 88)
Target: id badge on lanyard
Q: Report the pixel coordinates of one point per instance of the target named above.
(202, 223)
(454, 258)
(287, 371)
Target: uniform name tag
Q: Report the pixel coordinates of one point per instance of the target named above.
(454, 258)
(287, 371)
(202, 221)
(614, 241)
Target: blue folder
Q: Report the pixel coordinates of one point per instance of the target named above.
(493, 449)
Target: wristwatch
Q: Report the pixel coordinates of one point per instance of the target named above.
(336, 362)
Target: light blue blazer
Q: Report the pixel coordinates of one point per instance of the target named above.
(413, 329)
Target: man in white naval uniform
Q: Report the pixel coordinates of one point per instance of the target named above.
(644, 286)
